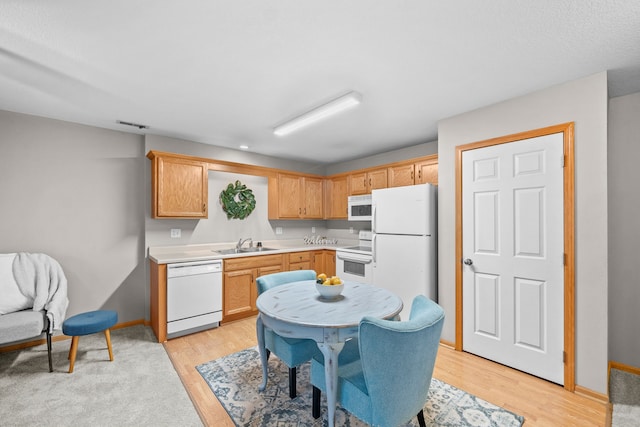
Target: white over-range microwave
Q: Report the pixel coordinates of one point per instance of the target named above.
(359, 208)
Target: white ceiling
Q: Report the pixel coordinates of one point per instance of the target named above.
(226, 72)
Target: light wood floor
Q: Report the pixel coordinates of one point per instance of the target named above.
(540, 402)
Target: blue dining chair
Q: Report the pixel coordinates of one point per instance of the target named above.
(385, 381)
(292, 351)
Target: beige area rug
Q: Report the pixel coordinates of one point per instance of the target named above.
(625, 416)
(234, 379)
(139, 388)
(624, 393)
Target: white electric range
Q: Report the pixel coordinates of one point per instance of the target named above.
(355, 263)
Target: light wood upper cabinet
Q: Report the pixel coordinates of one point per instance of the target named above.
(295, 197)
(409, 173)
(313, 198)
(358, 183)
(401, 175)
(377, 179)
(335, 195)
(289, 196)
(365, 182)
(179, 188)
(427, 172)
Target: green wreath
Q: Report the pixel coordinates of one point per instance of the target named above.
(237, 201)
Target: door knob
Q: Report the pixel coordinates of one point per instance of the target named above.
(467, 261)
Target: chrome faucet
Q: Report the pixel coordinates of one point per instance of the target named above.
(242, 241)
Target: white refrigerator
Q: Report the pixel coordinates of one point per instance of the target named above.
(404, 241)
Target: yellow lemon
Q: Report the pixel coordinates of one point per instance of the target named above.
(336, 281)
(327, 282)
(322, 276)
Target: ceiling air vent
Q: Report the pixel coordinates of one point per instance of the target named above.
(137, 125)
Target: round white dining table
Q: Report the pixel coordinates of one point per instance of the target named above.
(296, 310)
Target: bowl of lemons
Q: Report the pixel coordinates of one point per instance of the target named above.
(329, 287)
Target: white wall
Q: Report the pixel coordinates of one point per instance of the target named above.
(74, 192)
(584, 102)
(624, 229)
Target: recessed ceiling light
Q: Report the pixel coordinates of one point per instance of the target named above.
(244, 147)
(335, 106)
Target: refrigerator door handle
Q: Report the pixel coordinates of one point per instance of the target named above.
(373, 247)
(373, 218)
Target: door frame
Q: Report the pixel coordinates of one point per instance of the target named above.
(569, 232)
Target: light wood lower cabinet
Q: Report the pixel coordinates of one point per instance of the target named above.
(299, 261)
(158, 300)
(239, 286)
(324, 261)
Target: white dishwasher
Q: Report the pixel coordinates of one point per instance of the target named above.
(194, 296)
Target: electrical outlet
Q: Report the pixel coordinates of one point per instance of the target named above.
(278, 230)
(313, 230)
(175, 233)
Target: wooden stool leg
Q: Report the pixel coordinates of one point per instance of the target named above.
(107, 335)
(72, 352)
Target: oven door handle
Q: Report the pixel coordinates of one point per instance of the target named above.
(354, 259)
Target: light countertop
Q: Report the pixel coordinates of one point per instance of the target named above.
(187, 253)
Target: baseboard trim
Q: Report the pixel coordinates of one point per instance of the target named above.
(449, 344)
(129, 323)
(62, 337)
(623, 367)
(593, 395)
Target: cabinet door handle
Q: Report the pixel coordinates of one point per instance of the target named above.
(420, 174)
(204, 207)
(411, 174)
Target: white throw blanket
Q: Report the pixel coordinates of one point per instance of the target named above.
(41, 279)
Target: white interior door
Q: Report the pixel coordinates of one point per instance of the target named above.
(513, 251)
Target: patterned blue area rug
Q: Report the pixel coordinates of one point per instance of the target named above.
(234, 379)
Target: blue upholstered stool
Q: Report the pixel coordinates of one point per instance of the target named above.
(88, 323)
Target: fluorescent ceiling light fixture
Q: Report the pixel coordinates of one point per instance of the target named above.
(342, 103)
(244, 147)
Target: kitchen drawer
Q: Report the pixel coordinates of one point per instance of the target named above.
(295, 257)
(304, 265)
(252, 262)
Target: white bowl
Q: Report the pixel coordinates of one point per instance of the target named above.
(329, 291)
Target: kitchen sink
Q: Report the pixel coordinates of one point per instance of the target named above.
(242, 250)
